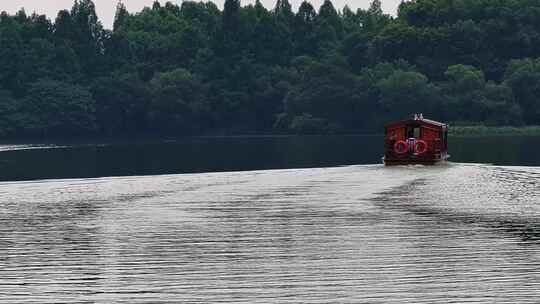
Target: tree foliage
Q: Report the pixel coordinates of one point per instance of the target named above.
(53, 107)
(195, 69)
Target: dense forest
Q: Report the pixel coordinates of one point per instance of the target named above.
(191, 68)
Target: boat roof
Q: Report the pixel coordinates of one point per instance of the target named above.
(417, 119)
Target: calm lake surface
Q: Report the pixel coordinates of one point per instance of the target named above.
(196, 155)
(166, 229)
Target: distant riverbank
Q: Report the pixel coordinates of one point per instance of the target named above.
(489, 131)
(455, 130)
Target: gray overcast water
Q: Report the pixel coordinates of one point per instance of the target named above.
(454, 233)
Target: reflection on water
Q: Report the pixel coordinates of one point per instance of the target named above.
(360, 234)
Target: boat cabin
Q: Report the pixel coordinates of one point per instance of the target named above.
(416, 141)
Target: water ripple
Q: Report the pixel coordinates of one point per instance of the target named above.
(360, 234)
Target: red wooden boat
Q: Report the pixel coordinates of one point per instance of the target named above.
(416, 141)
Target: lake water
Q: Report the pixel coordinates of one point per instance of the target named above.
(195, 155)
(352, 232)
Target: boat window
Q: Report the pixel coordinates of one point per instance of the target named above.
(413, 132)
(417, 132)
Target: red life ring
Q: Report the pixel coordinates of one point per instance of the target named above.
(401, 147)
(420, 147)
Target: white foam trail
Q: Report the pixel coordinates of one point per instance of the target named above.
(5, 148)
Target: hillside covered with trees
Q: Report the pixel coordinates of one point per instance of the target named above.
(192, 69)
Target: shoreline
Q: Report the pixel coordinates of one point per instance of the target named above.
(481, 130)
(454, 131)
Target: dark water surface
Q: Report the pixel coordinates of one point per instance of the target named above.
(455, 233)
(194, 155)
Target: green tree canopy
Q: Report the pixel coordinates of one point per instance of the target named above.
(54, 108)
(192, 68)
